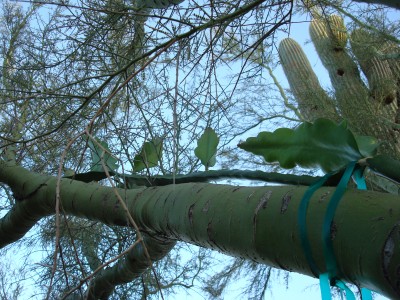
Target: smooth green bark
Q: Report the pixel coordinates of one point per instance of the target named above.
(129, 267)
(258, 223)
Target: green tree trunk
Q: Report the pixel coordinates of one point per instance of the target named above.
(257, 223)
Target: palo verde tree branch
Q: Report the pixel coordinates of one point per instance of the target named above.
(257, 223)
(129, 267)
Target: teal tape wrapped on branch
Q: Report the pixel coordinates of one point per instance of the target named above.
(349, 294)
(330, 213)
(325, 286)
(302, 216)
(331, 277)
(366, 294)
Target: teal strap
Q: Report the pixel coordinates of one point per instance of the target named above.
(329, 215)
(359, 178)
(325, 286)
(349, 294)
(324, 279)
(366, 294)
(302, 216)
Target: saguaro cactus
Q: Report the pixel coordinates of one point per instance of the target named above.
(312, 100)
(380, 76)
(370, 109)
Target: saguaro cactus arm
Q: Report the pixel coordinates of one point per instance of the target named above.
(369, 110)
(313, 102)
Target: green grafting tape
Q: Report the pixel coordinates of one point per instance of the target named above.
(330, 213)
(302, 222)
